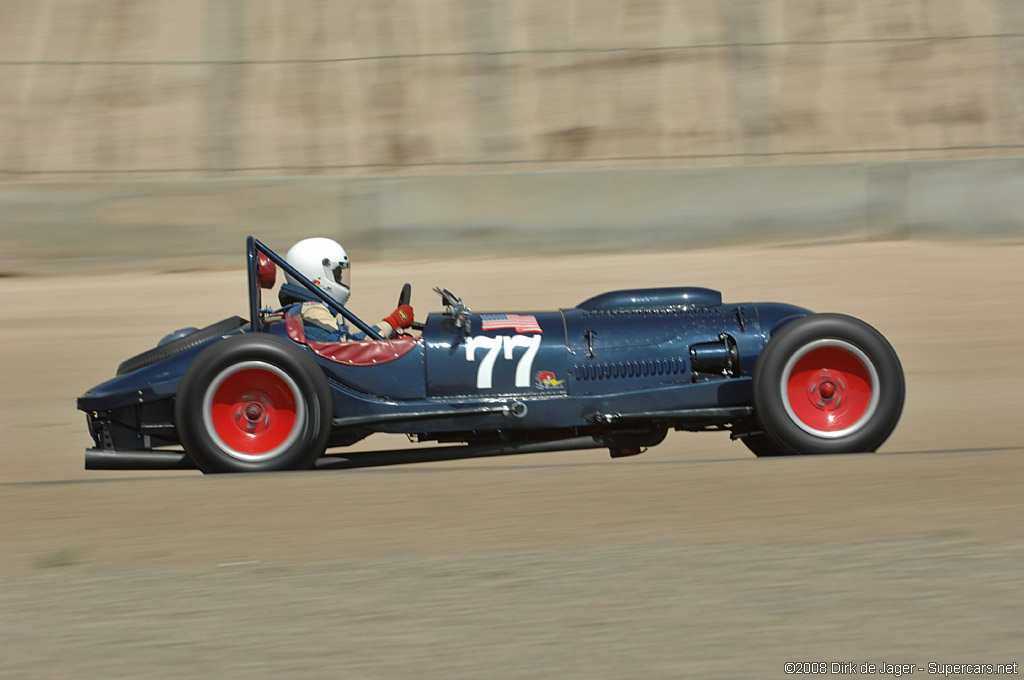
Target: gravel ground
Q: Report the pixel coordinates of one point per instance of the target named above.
(693, 560)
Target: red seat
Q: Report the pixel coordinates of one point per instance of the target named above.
(363, 353)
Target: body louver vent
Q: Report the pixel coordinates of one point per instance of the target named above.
(629, 369)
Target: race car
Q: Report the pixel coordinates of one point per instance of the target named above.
(616, 371)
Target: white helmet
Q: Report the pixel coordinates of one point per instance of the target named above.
(325, 263)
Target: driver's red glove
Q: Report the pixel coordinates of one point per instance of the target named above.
(401, 317)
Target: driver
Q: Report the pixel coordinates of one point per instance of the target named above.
(326, 264)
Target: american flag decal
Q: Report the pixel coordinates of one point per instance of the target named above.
(522, 323)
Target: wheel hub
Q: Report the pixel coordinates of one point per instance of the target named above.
(249, 417)
(826, 391)
(253, 411)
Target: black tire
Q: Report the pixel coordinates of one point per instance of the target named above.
(253, 403)
(178, 346)
(826, 383)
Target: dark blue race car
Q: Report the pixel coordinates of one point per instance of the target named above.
(616, 371)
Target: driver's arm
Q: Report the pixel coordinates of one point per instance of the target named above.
(402, 317)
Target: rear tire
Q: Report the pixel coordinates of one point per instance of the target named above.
(253, 403)
(826, 383)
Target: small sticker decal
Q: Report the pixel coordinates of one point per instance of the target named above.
(545, 380)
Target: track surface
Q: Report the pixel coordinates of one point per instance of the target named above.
(693, 560)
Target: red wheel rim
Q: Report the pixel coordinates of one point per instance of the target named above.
(830, 388)
(253, 410)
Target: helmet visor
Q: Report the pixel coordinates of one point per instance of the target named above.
(342, 273)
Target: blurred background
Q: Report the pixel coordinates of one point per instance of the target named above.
(440, 141)
(133, 130)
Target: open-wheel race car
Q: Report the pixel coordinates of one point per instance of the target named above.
(616, 371)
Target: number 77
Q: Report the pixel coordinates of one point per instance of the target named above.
(485, 373)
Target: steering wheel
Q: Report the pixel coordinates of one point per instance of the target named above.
(403, 299)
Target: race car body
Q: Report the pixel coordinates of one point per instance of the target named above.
(615, 371)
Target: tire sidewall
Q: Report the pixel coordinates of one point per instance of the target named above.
(206, 451)
(770, 410)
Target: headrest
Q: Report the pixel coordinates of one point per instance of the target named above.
(267, 273)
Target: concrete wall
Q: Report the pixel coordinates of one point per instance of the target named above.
(187, 224)
(133, 130)
(244, 88)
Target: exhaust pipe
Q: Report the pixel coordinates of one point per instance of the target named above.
(100, 459)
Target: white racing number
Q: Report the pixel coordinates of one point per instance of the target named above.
(485, 372)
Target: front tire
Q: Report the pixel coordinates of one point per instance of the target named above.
(253, 403)
(826, 383)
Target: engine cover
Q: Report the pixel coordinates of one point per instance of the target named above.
(653, 298)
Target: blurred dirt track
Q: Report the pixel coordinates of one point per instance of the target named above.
(693, 560)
